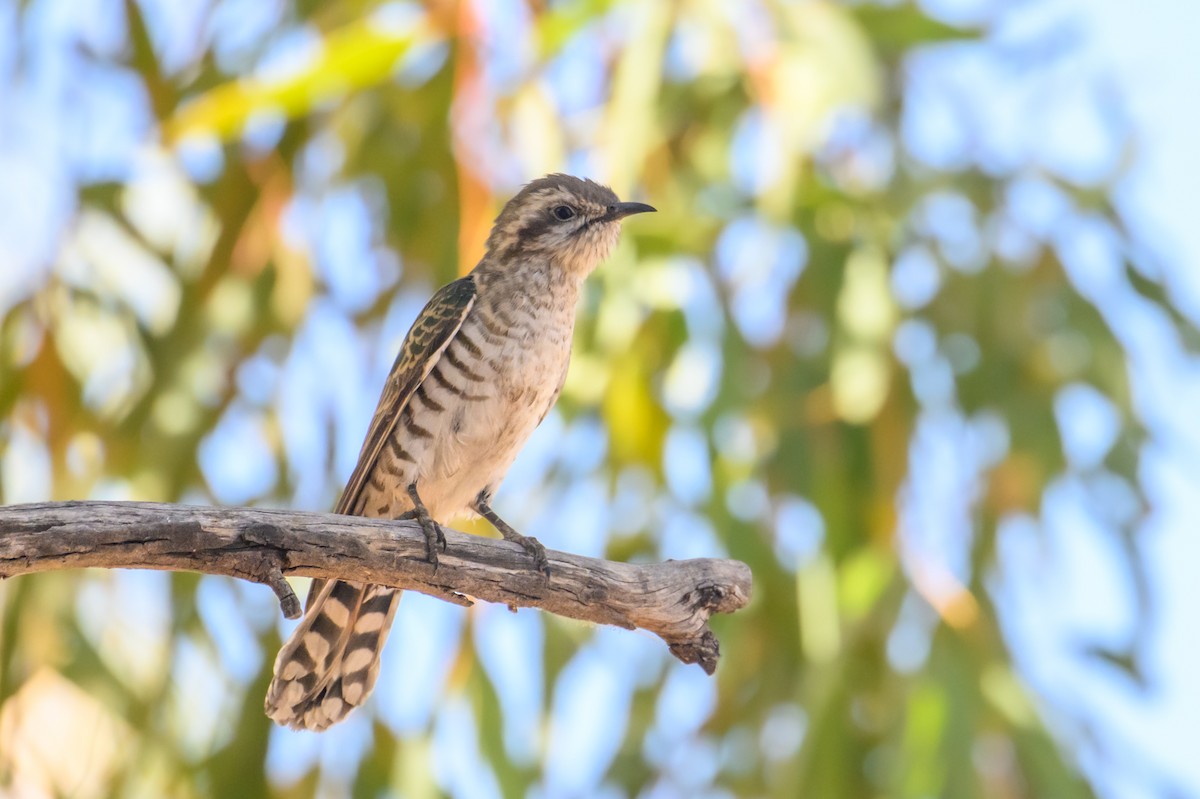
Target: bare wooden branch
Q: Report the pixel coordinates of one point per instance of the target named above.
(672, 600)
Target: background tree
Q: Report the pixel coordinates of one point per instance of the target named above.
(871, 346)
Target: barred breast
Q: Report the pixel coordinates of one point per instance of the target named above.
(513, 366)
(469, 418)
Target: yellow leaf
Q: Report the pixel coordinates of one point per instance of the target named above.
(359, 55)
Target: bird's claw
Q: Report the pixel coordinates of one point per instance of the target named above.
(434, 536)
(537, 552)
(432, 530)
(528, 543)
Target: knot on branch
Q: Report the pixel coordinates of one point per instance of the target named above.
(718, 597)
(269, 564)
(705, 650)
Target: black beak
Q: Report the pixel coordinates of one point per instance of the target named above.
(622, 210)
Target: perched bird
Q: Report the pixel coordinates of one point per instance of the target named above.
(480, 368)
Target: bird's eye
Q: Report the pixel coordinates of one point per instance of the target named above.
(564, 212)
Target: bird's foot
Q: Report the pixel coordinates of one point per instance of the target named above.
(533, 547)
(434, 536)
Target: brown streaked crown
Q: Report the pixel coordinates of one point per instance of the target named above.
(532, 225)
(589, 191)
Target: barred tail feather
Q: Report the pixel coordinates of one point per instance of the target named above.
(329, 665)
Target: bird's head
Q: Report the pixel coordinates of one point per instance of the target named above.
(570, 222)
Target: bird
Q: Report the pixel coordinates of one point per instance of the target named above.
(479, 370)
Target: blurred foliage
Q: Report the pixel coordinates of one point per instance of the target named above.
(810, 302)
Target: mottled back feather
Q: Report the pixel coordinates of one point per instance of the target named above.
(329, 664)
(431, 333)
(429, 337)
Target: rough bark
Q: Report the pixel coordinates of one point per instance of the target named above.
(672, 600)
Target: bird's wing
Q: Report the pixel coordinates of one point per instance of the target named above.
(433, 331)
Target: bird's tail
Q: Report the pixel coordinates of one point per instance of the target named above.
(329, 665)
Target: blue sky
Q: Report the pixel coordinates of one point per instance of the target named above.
(1146, 53)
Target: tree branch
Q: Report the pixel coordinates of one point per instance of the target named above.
(672, 600)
